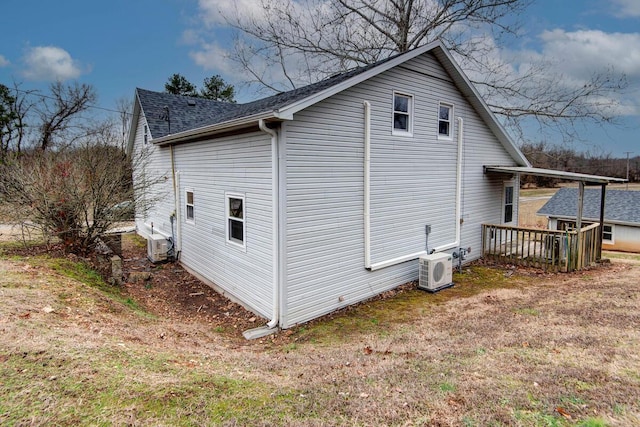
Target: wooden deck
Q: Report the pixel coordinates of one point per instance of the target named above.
(550, 250)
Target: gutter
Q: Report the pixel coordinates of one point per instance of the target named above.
(367, 201)
(275, 173)
(227, 126)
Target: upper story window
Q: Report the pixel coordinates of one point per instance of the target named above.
(402, 113)
(236, 230)
(189, 206)
(445, 114)
(146, 134)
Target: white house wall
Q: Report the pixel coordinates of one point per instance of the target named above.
(413, 183)
(155, 167)
(241, 165)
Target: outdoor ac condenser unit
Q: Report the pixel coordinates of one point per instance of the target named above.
(157, 248)
(435, 272)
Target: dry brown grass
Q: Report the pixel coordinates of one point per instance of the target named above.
(497, 349)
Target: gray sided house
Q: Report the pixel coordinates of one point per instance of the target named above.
(621, 215)
(311, 200)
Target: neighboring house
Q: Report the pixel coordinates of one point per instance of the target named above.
(621, 229)
(311, 200)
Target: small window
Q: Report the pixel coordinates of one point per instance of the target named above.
(146, 134)
(189, 207)
(508, 204)
(607, 233)
(236, 230)
(445, 112)
(402, 109)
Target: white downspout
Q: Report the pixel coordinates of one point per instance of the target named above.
(367, 185)
(405, 258)
(275, 173)
(176, 204)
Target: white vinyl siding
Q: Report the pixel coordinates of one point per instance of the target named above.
(236, 165)
(155, 167)
(412, 185)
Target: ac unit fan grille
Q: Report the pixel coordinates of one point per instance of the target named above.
(438, 272)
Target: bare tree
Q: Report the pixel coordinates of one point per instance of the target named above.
(295, 42)
(60, 112)
(14, 110)
(76, 193)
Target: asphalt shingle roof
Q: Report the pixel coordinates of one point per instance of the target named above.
(187, 113)
(620, 205)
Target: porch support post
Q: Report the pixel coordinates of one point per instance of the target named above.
(578, 250)
(603, 193)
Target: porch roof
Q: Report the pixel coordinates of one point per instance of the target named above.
(552, 173)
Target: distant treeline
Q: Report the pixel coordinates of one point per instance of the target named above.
(566, 159)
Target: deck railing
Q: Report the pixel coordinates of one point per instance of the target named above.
(551, 250)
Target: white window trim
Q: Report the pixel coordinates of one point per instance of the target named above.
(186, 204)
(400, 132)
(503, 202)
(613, 235)
(451, 115)
(235, 243)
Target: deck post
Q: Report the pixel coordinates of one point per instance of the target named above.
(600, 236)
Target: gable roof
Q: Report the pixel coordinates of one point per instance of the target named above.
(621, 206)
(224, 117)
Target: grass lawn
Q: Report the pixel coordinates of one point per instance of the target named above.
(499, 348)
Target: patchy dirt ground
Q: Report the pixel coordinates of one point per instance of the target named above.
(502, 347)
(167, 290)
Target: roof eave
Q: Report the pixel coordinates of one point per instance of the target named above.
(606, 220)
(551, 173)
(359, 78)
(228, 126)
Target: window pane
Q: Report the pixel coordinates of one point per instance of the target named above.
(190, 197)
(236, 230)
(189, 212)
(401, 121)
(235, 208)
(401, 103)
(508, 195)
(444, 113)
(508, 213)
(443, 128)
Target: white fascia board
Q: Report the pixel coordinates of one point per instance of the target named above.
(474, 97)
(230, 125)
(300, 105)
(133, 125)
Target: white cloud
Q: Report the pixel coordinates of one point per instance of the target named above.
(210, 56)
(213, 12)
(580, 53)
(3, 61)
(626, 8)
(50, 63)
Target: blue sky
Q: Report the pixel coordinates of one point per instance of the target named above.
(118, 45)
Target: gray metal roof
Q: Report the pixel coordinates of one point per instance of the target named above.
(551, 173)
(621, 206)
